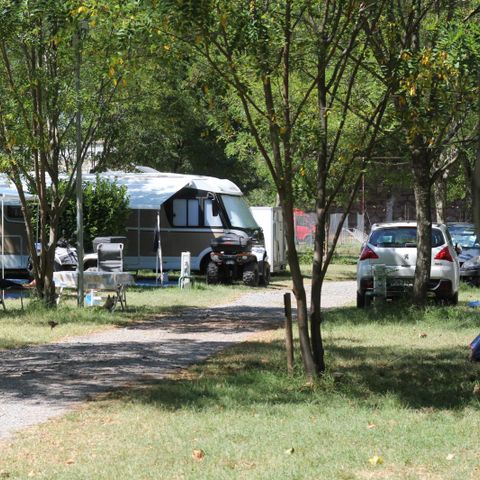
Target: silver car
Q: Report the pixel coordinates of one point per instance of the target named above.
(391, 249)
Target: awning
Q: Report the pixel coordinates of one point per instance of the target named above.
(146, 192)
(9, 194)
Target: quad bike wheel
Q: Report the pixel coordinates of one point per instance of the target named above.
(250, 275)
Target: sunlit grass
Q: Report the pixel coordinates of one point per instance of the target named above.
(397, 402)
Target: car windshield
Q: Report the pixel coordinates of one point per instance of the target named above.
(464, 236)
(402, 237)
(238, 212)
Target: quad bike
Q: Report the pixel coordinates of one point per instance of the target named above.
(235, 257)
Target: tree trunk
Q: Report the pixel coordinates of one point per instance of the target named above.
(422, 191)
(440, 196)
(299, 292)
(389, 208)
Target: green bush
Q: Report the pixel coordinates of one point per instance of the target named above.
(105, 212)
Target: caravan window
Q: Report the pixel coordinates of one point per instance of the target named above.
(210, 219)
(14, 212)
(238, 212)
(185, 213)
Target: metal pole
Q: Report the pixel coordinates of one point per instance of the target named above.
(79, 191)
(3, 247)
(3, 238)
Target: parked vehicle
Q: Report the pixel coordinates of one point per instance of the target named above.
(304, 226)
(182, 212)
(65, 257)
(173, 213)
(237, 257)
(271, 221)
(14, 242)
(467, 243)
(394, 246)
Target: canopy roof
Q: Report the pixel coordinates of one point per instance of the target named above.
(8, 192)
(148, 191)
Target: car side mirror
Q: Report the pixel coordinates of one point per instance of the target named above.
(458, 249)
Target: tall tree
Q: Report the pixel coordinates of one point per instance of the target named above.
(427, 65)
(287, 75)
(40, 43)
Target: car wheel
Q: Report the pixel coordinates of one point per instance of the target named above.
(453, 300)
(360, 300)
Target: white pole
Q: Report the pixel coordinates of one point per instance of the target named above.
(159, 249)
(3, 247)
(3, 238)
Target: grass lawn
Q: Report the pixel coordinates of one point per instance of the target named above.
(397, 402)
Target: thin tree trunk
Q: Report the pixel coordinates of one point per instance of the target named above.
(422, 192)
(299, 292)
(389, 207)
(440, 195)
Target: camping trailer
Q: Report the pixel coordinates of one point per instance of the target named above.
(14, 242)
(174, 213)
(169, 214)
(271, 220)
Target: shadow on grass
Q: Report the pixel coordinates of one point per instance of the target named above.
(428, 380)
(402, 312)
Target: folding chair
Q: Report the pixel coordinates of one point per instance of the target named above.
(110, 260)
(110, 257)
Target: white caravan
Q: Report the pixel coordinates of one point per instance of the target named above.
(188, 212)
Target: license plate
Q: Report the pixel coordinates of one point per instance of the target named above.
(399, 282)
(230, 262)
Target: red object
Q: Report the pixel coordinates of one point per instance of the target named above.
(304, 226)
(367, 253)
(444, 254)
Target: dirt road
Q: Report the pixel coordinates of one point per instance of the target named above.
(38, 383)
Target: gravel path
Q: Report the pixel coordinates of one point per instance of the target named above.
(38, 383)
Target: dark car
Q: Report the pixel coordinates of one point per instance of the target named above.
(467, 244)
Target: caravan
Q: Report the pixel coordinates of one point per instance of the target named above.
(174, 213)
(169, 214)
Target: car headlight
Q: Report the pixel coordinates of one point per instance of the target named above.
(472, 263)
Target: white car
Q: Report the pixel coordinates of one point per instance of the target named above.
(394, 246)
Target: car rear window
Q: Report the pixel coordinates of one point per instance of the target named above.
(465, 236)
(402, 237)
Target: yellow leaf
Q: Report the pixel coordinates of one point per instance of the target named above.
(115, 82)
(82, 9)
(167, 47)
(376, 460)
(111, 72)
(124, 82)
(283, 130)
(198, 454)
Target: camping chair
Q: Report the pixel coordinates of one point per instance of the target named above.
(8, 286)
(110, 257)
(110, 260)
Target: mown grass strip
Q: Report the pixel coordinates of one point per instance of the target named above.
(397, 402)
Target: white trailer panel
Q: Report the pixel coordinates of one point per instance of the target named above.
(271, 221)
